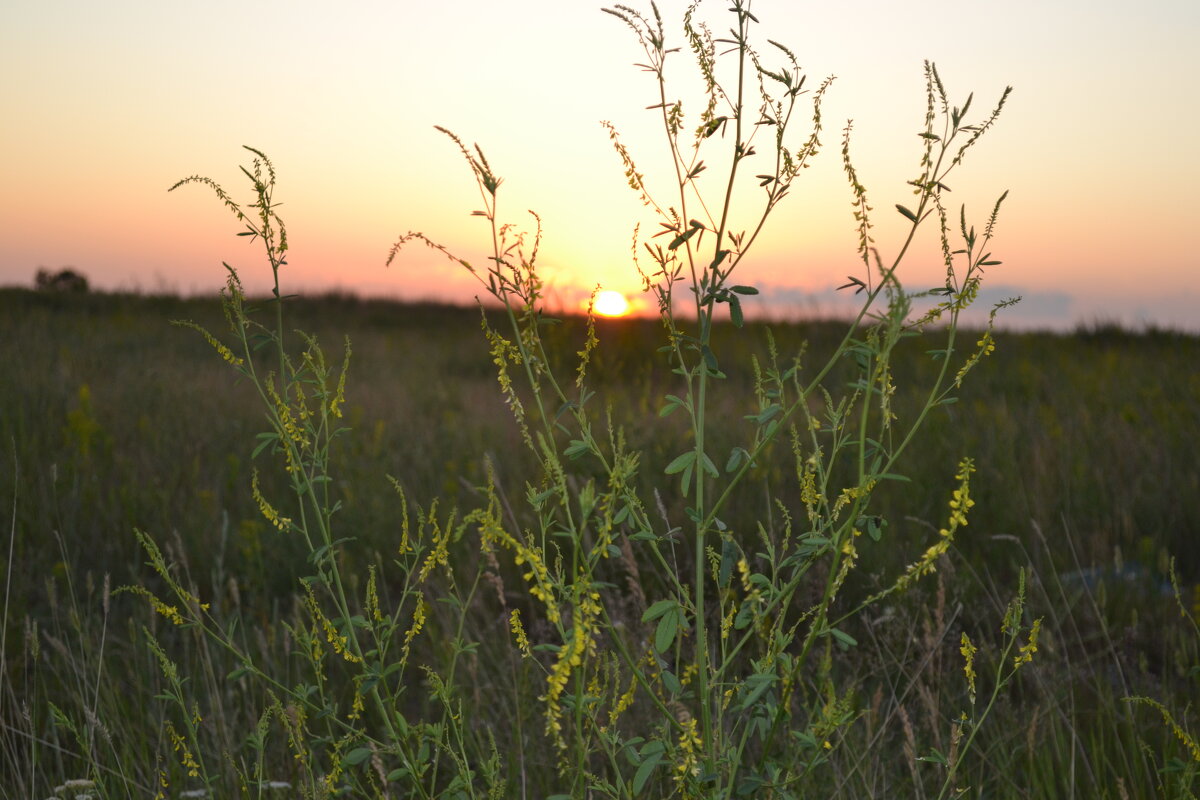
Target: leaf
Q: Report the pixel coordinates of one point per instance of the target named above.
(743, 289)
(710, 467)
(681, 462)
(735, 311)
(658, 609)
(728, 557)
(267, 440)
(668, 626)
(673, 403)
(843, 638)
(644, 772)
(853, 282)
(356, 756)
(935, 757)
(910, 216)
(758, 684)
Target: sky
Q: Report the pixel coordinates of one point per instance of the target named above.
(106, 105)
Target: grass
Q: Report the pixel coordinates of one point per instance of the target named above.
(1083, 461)
(699, 557)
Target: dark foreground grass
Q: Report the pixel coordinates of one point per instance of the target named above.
(113, 420)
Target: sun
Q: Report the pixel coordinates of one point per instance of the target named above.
(611, 304)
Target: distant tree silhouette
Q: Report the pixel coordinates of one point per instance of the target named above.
(65, 280)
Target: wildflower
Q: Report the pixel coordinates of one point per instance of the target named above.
(1025, 654)
(170, 612)
(688, 764)
(221, 349)
(418, 622)
(179, 745)
(519, 633)
(335, 405)
(336, 641)
(268, 511)
(968, 651)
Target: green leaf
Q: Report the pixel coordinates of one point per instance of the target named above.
(356, 756)
(681, 462)
(728, 557)
(710, 467)
(843, 638)
(664, 635)
(757, 684)
(735, 311)
(658, 609)
(267, 440)
(935, 757)
(644, 772)
(743, 289)
(910, 216)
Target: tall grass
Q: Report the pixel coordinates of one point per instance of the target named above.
(707, 586)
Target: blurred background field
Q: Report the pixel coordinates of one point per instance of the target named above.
(1086, 443)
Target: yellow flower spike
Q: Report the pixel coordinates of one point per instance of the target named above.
(1025, 654)
(168, 611)
(268, 511)
(339, 397)
(518, 631)
(418, 622)
(221, 349)
(373, 596)
(968, 651)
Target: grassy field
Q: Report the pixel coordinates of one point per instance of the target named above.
(112, 420)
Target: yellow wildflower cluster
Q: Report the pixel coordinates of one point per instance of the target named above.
(491, 531)
(570, 656)
(623, 702)
(168, 611)
(356, 705)
(286, 420)
(688, 765)
(438, 554)
(336, 641)
(519, 633)
(268, 511)
(968, 651)
(221, 349)
(418, 622)
(179, 745)
(960, 503)
(1026, 651)
(590, 341)
(339, 397)
(1188, 741)
(503, 352)
(984, 347)
(808, 490)
(373, 596)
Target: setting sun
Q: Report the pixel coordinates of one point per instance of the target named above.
(611, 304)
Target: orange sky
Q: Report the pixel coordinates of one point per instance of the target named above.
(106, 105)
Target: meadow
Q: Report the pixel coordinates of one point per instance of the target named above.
(337, 547)
(114, 420)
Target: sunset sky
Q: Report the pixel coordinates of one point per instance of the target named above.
(106, 105)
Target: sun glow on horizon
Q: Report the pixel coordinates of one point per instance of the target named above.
(611, 304)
